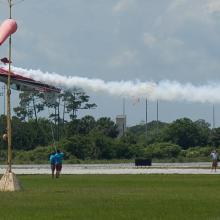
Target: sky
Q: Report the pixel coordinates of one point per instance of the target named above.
(129, 40)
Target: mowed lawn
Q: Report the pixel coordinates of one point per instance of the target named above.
(94, 197)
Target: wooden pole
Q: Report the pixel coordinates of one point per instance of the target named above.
(146, 111)
(4, 98)
(9, 181)
(157, 117)
(213, 116)
(8, 100)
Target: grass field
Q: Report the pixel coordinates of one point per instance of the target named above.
(103, 197)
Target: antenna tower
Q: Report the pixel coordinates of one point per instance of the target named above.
(9, 182)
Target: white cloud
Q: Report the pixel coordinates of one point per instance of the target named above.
(168, 44)
(184, 14)
(149, 39)
(176, 4)
(122, 5)
(126, 57)
(213, 6)
(169, 49)
(173, 39)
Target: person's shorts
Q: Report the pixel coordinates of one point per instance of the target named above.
(58, 167)
(52, 166)
(214, 163)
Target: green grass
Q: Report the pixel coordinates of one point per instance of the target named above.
(105, 197)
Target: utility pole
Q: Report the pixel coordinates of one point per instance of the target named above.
(58, 122)
(146, 116)
(124, 117)
(8, 181)
(4, 97)
(213, 116)
(123, 106)
(2, 93)
(8, 98)
(157, 116)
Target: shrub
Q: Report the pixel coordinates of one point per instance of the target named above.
(163, 150)
(198, 152)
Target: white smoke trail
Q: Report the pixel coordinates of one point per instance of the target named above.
(163, 90)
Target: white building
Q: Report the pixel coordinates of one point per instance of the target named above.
(121, 123)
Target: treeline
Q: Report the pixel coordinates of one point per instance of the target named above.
(90, 139)
(33, 136)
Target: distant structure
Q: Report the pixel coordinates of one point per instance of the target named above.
(157, 116)
(121, 123)
(213, 116)
(146, 120)
(2, 93)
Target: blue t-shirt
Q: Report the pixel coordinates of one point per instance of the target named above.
(59, 157)
(52, 159)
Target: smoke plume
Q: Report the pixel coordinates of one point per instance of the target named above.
(163, 90)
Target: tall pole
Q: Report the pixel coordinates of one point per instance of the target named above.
(157, 116)
(124, 106)
(123, 131)
(58, 123)
(8, 181)
(4, 97)
(8, 99)
(64, 109)
(146, 116)
(213, 116)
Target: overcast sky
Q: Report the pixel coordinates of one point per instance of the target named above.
(123, 40)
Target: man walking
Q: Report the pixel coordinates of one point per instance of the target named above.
(52, 163)
(58, 162)
(214, 156)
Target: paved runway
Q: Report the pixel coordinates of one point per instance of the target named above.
(127, 168)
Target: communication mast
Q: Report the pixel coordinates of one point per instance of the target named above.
(9, 182)
(213, 116)
(146, 116)
(8, 97)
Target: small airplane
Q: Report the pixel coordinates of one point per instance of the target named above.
(5, 60)
(22, 83)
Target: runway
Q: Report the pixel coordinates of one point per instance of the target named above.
(126, 168)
